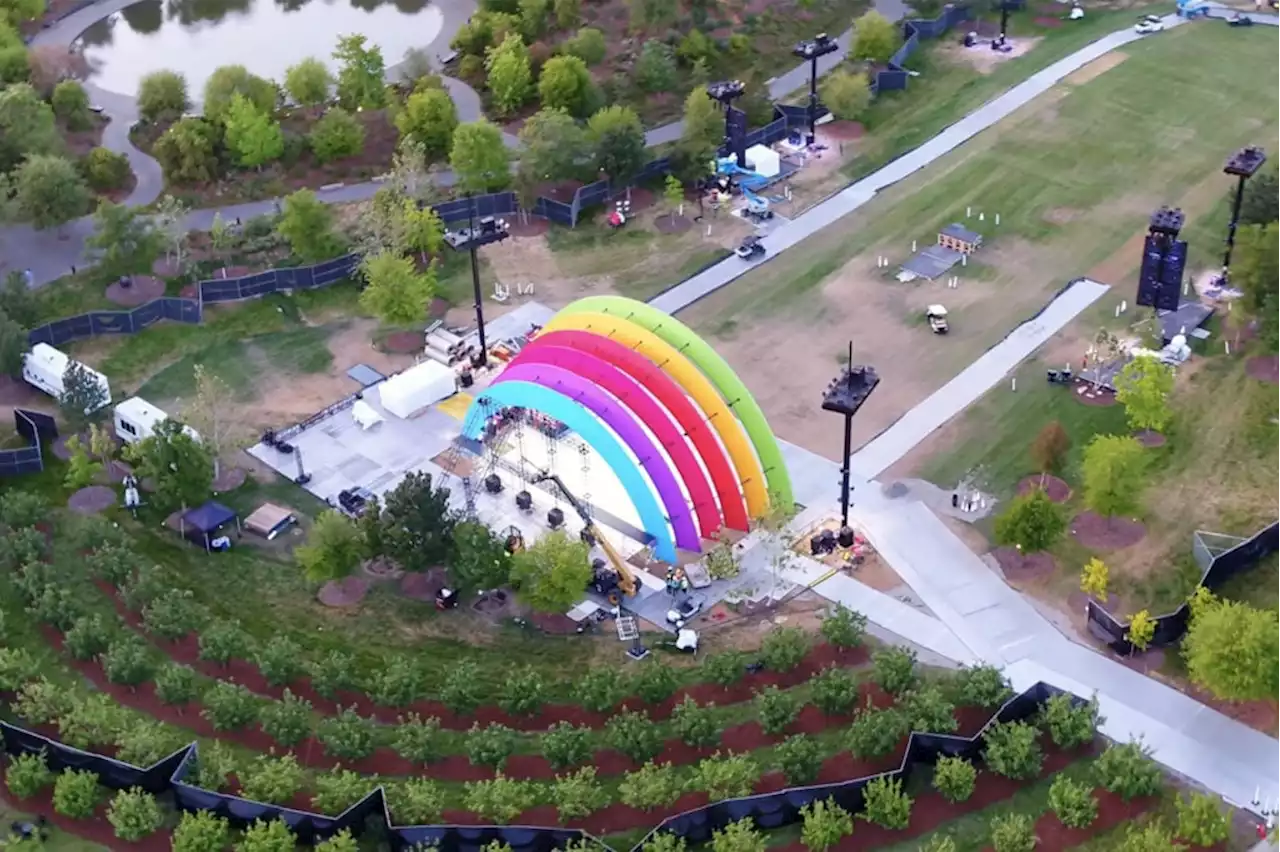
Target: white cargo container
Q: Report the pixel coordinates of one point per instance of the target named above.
(44, 366)
(426, 383)
(136, 420)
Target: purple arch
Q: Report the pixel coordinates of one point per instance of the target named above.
(625, 426)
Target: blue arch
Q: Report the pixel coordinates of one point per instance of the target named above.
(577, 418)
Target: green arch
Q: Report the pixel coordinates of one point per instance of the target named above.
(720, 374)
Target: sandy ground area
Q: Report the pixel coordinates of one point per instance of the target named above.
(981, 57)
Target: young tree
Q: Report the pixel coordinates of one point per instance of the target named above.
(740, 836)
(287, 721)
(568, 13)
(480, 558)
(49, 191)
(552, 147)
(510, 75)
(82, 398)
(171, 221)
(1143, 388)
(501, 800)
(274, 780)
(180, 466)
(617, 137)
(600, 688)
(1069, 725)
(1013, 832)
(846, 93)
(27, 125)
(308, 83)
(1201, 820)
(27, 775)
(876, 733)
(127, 661)
(565, 84)
(1072, 802)
(174, 614)
(1113, 470)
(75, 793)
(655, 70)
(800, 759)
(700, 136)
(634, 735)
(588, 44)
(491, 745)
(651, 786)
(1232, 649)
(1031, 523)
(565, 745)
(727, 776)
(134, 814)
(825, 825)
(176, 684)
(834, 690)
(655, 682)
(784, 648)
(343, 841)
(843, 628)
(429, 118)
(71, 104)
(339, 789)
(396, 293)
(1094, 578)
(954, 778)
(223, 641)
(398, 684)
(695, 724)
(252, 135)
(1255, 270)
(1128, 770)
(231, 80)
(418, 523)
(306, 223)
(776, 709)
(348, 735)
(161, 95)
(578, 794)
(333, 550)
(875, 39)
(415, 801)
(361, 80)
(1050, 447)
(552, 573)
(229, 706)
(82, 470)
(1142, 629)
(267, 836)
(894, 669)
(188, 151)
(338, 134)
(123, 242)
(885, 804)
(982, 686)
(928, 710)
(201, 831)
(673, 195)
(479, 158)
(523, 693)
(651, 14)
(1011, 750)
(460, 691)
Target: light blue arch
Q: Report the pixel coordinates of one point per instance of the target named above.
(577, 418)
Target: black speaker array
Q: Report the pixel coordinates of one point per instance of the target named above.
(735, 126)
(1164, 262)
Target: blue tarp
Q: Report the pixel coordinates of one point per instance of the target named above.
(208, 517)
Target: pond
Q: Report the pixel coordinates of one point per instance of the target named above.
(196, 37)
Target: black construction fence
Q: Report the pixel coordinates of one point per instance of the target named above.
(769, 810)
(35, 428)
(1219, 567)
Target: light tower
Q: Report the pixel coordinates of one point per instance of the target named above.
(810, 51)
(487, 232)
(845, 395)
(1243, 164)
(735, 120)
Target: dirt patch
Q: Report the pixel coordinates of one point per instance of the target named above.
(640, 198)
(349, 591)
(1096, 68)
(1062, 215)
(229, 479)
(528, 226)
(1104, 534)
(1047, 23)
(139, 290)
(1145, 662)
(1085, 393)
(422, 586)
(1054, 488)
(670, 224)
(1017, 565)
(1147, 438)
(1264, 368)
(840, 131)
(92, 500)
(981, 57)
(403, 342)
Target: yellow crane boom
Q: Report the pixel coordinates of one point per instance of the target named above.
(626, 580)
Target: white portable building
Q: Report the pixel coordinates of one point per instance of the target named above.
(426, 383)
(44, 366)
(763, 160)
(136, 420)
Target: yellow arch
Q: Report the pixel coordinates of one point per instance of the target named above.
(694, 383)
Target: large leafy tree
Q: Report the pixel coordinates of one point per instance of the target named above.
(1261, 198)
(552, 574)
(306, 223)
(1143, 388)
(1030, 523)
(417, 522)
(180, 466)
(27, 125)
(338, 134)
(700, 136)
(480, 559)
(846, 94)
(82, 396)
(617, 137)
(1233, 649)
(49, 191)
(13, 345)
(875, 38)
(429, 117)
(188, 151)
(162, 94)
(510, 74)
(552, 146)
(565, 83)
(252, 134)
(395, 292)
(1255, 269)
(361, 79)
(231, 80)
(479, 158)
(309, 82)
(123, 242)
(1113, 470)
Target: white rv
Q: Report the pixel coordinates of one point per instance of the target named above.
(43, 367)
(136, 420)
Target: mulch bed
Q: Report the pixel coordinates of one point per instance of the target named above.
(92, 500)
(232, 272)
(1048, 23)
(403, 342)
(1112, 811)
(1054, 488)
(669, 224)
(554, 623)
(528, 226)
(562, 191)
(143, 289)
(229, 479)
(349, 591)
(1017, 565)
(164, 267)
(16, 392)
(641, 199)
(1098, 533)
(1150, 439)
(1084, 393)
(1151, 660)
(422, 585)
(841, 131)
(59, 446)
(1264, 368)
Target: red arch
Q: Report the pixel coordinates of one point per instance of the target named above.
(733, 507)
(630, 394)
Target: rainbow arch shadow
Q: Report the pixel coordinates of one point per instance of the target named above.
(675, 424)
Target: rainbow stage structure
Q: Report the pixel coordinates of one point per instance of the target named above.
(673, 422)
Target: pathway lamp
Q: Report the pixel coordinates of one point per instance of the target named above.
(844, 396)
(487, 231)
(810, 51)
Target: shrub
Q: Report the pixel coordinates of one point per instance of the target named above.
(267, 836)
(1128, 771)
(398, 685)
(287, 721)
(954, 778)
(348, 735)
(1072, 802)
(229, 706)
(280, 661)
(834, 690)
(201, 831)
(651, 786)
(144, 586)
(725, 668)
(800, 758)
(333, 672)
(740, 836)
(415, 801)
(928, 711)
(1200, 820)
(1152, 837)
(340, 842)
(656, 682)
(784, 648)
(95, 720)
(1011, 750)
(844, 628)
(418, 740)
(134, 814)
(338, 134)
(694, 724)
(776, 709)
(1013, 833)
(105, 170)
(875, 733)
(162, 93)
(174, 614)
(338, 790)
(825, 825)
(894, 669)
(727, 777)
(213, 764)
(635, 735)
(884, 803)
(460, 691)
(127, 660)
(565, 745)
(501, 800)
(664, 842)
(146, 743)
(578, 794)
(87, 638)
(600, 689)
(71, 104)
(41, 702)
(223, 641)
(490, 745)
(75, 793)
(274, 780)
(1068, 725)
(27, 775)
(588, 45)
(176, 684)
(523, 693)
(983, 686)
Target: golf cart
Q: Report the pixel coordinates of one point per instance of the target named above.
(750, 249)
(1148, 24)
(937, 316)
(685, 609)
(1239, 20)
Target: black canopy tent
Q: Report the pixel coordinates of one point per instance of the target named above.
(202, 523)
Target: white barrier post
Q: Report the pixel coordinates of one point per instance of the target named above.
(913, 245)
(997, 218)
(968, 211)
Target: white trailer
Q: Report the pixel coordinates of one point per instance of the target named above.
(136, 420)
(44, 366)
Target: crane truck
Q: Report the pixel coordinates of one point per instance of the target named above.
(613, 579)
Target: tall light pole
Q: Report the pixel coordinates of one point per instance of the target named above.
(725, 93)
(1243, 164)
(820, 45)
(845, 395)
(476, 235)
